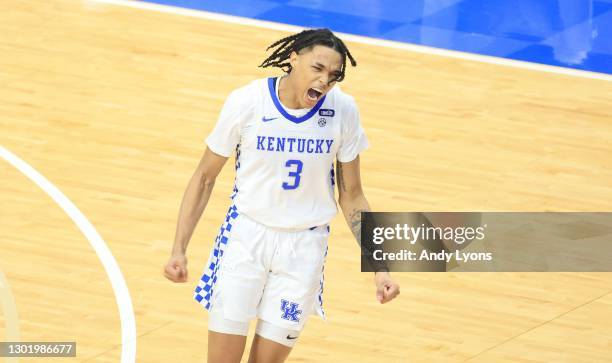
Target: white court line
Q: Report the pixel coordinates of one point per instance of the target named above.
(359, 39)
(122, 294)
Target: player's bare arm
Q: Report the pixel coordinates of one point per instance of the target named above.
(352, 201)
(194, 201)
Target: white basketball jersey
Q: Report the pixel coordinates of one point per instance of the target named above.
(285, 158)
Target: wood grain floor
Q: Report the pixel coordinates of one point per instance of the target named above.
(112, 105)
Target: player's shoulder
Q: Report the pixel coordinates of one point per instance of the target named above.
(246, 95)
(248, 89)
(343, 99)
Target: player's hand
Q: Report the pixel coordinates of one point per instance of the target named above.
(176, 268)
(386, 288)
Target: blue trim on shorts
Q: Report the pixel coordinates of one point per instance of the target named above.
(204, 291)
(320, 297)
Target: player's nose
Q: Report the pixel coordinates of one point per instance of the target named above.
(324, 81)
(322, 85)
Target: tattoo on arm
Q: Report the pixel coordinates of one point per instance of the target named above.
(355, 222)
(341, 184)
(367, 248)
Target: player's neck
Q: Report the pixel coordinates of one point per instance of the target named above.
(286, 93)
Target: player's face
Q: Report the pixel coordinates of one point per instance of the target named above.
(314, 72)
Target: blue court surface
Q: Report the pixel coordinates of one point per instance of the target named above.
(568, 33)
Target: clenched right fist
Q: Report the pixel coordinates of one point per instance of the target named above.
(176, 268)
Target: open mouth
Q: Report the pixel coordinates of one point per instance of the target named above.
(314, 94)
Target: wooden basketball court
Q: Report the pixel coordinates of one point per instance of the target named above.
(112, 105)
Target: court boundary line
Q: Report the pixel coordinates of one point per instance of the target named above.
(202, 14)
(120, 289)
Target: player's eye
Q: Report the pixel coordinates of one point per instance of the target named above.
(316, 68)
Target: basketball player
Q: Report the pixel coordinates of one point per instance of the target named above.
(267, 261)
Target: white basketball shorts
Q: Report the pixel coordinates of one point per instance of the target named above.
(258, 272)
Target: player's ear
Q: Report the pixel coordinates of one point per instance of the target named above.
(293, 59)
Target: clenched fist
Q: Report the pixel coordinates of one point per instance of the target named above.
(386, 288)
(176, 268)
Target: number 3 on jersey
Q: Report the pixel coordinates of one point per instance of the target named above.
(294, 174)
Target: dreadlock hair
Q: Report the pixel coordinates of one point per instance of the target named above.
(306, 39)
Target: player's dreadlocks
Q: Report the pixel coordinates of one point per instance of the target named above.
(306, 39)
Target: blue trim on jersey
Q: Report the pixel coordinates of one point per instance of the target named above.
(281, 109)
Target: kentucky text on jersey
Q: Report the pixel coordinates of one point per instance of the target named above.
(293, 144)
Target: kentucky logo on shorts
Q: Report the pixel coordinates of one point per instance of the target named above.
(290, 310)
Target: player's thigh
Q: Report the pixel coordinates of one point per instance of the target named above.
(293, 288)
(267, 351)
(225, 348)
(242, 272)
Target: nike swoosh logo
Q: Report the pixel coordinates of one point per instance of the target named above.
(290, 337)
(264, 119)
